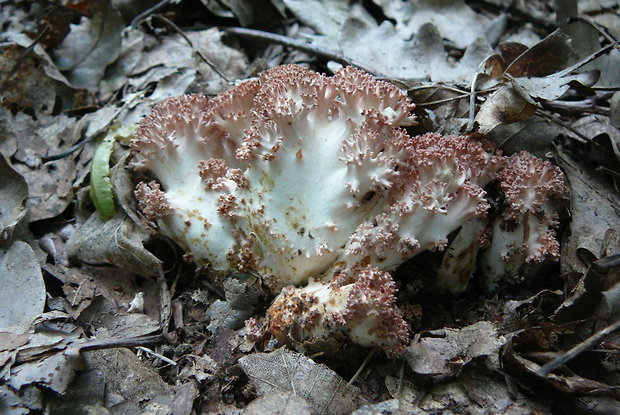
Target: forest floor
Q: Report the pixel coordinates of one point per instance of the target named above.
(99, 314)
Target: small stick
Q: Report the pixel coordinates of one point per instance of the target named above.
(177, 29)
(295, 44)
(116, 343)
(562, 124)
(362, 366)
(146, 13)
(157, 355)
(575, 351)
(576, 107)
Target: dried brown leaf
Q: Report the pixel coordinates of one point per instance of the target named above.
(504, 106)
(595, 225)
(284, 371)
(278, 404)
(13, 192)
(22, 296)
(550, 55)
(90, 46)
(455, 20)
(117, 241)
(443, 353)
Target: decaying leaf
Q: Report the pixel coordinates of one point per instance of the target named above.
(595, 225)
(379, 49)
(278, 404)
(49, 183)
(13, 192)
(131, 386)
(55, 371)
(443, 353)
(241, 297)
(23, 83)
(117, 241)
(285, 371)
(534, 135)
(455, 20)
(22, 283)
(479, 392)
(90, 46)
(504, 106)
(173, 55)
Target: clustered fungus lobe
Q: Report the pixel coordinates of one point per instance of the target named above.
(313, 183)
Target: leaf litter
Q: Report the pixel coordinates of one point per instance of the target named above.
(111, 320)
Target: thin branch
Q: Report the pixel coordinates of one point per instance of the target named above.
(146, 13)
(576, 107)
(472, 104)
(362, 366)
(157, 355)
(561, 123)
(22, 58)
(295, 44)
(177, 29)
(442, 101)
(116, 343)
(578, 349)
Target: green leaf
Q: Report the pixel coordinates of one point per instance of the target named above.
(100, 185)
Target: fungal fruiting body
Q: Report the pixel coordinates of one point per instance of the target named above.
(312, 183)
(525, 231)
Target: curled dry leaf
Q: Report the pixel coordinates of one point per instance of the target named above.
(117, 241)
(505, 106)
(544, 72)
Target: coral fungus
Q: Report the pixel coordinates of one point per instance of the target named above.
(312, 183)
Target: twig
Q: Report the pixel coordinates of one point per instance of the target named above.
(472, 104)
(561, 123)
(157, 355)
(22, 58)
(596, 26)
(575, 351)
(442, 101)
(576, 107)
(146, 13)
(116, 343)
(362, 366)
(177, 29)
(295, 44)
(438, 86)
